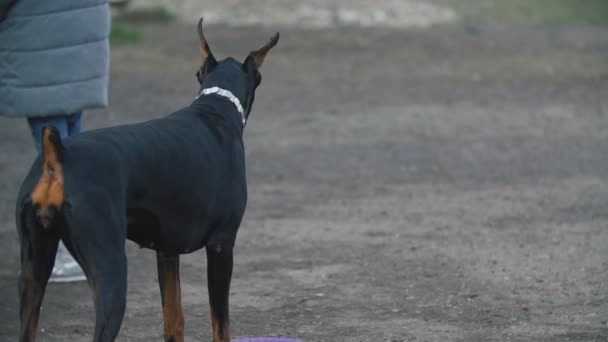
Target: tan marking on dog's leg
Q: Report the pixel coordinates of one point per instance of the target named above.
(220, 334)
(173, 316)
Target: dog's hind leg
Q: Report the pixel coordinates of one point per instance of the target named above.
(96, 238)
(219, 273)
(170, 292)
(38, 249)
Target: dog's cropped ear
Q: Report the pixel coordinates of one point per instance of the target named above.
(257, 56)
(206, 55)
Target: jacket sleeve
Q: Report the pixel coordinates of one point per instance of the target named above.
(5, 6)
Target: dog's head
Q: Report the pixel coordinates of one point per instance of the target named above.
(241, 79)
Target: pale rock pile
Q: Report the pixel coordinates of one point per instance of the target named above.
(307, 13)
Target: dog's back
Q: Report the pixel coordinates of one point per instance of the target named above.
(181, 174)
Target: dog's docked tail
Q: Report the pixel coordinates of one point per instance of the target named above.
(48, 194)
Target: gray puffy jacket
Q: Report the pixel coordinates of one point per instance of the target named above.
(54, 56)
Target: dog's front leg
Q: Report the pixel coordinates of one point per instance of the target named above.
(170, 294)
(219, 273)
(38, 249)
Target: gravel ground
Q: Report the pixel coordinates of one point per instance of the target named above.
(440, 184)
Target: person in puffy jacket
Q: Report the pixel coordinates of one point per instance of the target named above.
(54, 63)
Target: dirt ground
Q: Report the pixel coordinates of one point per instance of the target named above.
(442, 184)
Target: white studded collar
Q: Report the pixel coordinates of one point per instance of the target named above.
(227, 94)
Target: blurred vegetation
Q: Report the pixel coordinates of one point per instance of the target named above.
(124, 33)
(158, 14)
(124, 24)
(548, 12)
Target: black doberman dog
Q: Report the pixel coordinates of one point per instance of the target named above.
(174, 185)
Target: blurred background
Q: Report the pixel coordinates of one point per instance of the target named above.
(418, 170)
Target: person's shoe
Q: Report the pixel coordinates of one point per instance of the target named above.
(67, 272)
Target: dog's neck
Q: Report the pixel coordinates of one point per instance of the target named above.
(227, 94)
(226, 90)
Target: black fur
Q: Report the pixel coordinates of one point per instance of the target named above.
(174, 185)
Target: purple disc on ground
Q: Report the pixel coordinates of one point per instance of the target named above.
(265, 339)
